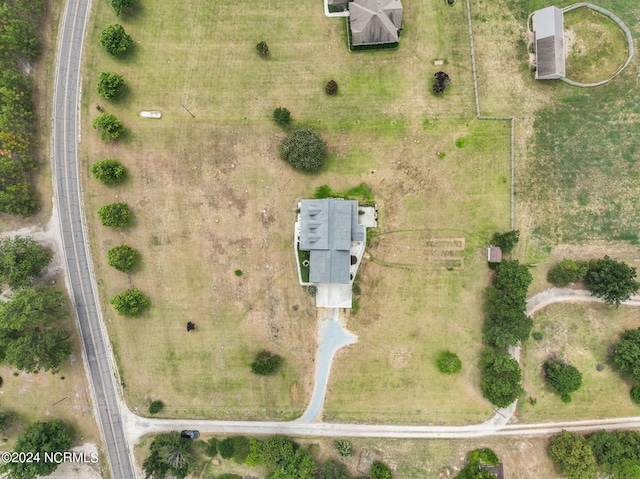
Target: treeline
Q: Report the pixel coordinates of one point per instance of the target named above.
(615, 453)
(20, 44)
(278, 456)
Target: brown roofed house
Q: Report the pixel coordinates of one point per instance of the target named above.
(375, 22)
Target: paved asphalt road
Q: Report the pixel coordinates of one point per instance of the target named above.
(77, 259)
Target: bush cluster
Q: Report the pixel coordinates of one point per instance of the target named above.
(304, 150)
(567, 271)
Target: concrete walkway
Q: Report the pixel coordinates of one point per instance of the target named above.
(331, 337)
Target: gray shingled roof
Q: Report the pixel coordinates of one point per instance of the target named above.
(548, 27)
(375, 21)
(327, 228)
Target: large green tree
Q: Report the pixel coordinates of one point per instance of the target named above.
(170, 455)
(626, 353)
(122, 6)
(500, 378)
(607, 447)
(304, 150)
(110, 85)
(115, 40)
(30, 338)
(573, 455)
(109, 171)
(115, 214)
(275, 450)
(122, 257)
(130, 302)
(22, 259)
(39, 437)
(611, 280)
(108, 126)
(562, 377)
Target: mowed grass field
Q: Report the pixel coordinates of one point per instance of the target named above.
(583, 335)
(210, 195)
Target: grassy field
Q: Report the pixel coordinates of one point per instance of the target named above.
(596, 48)
(209, 196)
(583, 335)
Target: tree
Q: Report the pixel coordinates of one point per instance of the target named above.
(115, 214)
(240, 449)
(442, 81)
(607, 448)
(39, 437)
(21, 38)
(114, 39)
(562, 377)
(611, 280)
(282, 116)
(18, 199)
(108, 171)
(225, 448)
(343, 447)
(304, 150)
(108, 125)
(22, 260)
(301, 466)
(506, 241)
(130, 302)
(122, 257)
(626, 354)
(170, 454)
(30, 338)
(155, 407)
(275, 450)
(110, 85)
(448, 362)
(331, 88)
(263, 49)
(476, 458)
(379, 470)
(626, 469)
(500, 377)
(122, 6)
(567, 271)
(212, 447)
(635, 394)
(333, 470)
(266, 363)
(572, 454)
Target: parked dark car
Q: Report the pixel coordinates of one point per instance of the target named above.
(190, 434)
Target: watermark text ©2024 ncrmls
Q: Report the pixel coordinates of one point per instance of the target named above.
(57, 457)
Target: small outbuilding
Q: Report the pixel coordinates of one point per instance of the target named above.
(375, 22)
(494, 254)
(548, 30)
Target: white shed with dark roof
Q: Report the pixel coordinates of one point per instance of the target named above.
(548, 28)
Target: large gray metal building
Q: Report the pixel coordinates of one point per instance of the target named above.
(548, 28)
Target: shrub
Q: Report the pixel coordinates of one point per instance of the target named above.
(122, 257)
(225, 448)
(240, 449)
(282, 116)
(122, 6)
(333, 470)
(635, 394)
(626, 354)
(567, 271)
(115, 40)
(108, 171)
(110, 85)
(129, 303)
(238, 272)
(538, 336)
(379, 470)
(343, 447)
(331, 88)
(266, 364)
(312, 290)
(304, 150)
(212, 447)
(115, 214)
(448, 362)
(155, 407)
(229, 475)
(442, 81)
(263, 49)
(562, 377)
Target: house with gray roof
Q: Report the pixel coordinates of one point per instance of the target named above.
(333, 231)
(548, 29)
(375, 22)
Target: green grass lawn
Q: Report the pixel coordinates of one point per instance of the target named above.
(582, 335)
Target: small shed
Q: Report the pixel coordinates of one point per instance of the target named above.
(548, 29)
(494, 254)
